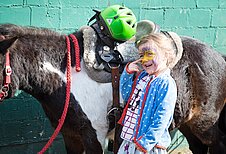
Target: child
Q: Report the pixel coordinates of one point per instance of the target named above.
(150, 97)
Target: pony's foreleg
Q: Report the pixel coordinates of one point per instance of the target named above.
(73, 143)
(220, 145)
(80, 126)
(195, 145)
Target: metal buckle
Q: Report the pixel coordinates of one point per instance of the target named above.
(109, 65)
(8, 70)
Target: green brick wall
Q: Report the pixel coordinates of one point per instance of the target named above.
(201, 19)
(24, 127)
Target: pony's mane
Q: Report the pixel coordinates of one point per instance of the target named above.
(10, 30)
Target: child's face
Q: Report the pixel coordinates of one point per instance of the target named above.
(151, 58)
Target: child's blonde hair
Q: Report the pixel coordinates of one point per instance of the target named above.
(164, 43)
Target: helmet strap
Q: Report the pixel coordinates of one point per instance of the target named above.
(102, 30)
(96, 16)
(106, 39)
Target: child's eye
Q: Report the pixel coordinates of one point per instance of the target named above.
(151, 54)
(141, 56)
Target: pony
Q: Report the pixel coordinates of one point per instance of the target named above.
(200, 77)
(38, 59)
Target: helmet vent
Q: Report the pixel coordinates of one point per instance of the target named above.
(116, 17)
(128, 22)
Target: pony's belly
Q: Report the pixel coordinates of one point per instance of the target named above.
(94, 99)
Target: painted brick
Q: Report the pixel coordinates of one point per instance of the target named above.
(179, 3)
(220, 37)
(134, 4)
(151, 4)
(208, 3)
(221, 49)
(75, 18)
(219, 18)
(169, 3)
(165, 3)
(153, 15)
(103, 3)
(55, 3)
(203, 34)
(199, 18)
(222, 4)
(137, 13)
(176, 18)
(206, 35)
(37, 2)
(184, 32)
(187, 18)
(183, 3)
(20, 16)
(79, 3)
(45, 17)
(11, 2)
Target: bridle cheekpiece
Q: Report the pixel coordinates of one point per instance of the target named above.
(7, 79)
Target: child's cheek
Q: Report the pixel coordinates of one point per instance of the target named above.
(156, 61)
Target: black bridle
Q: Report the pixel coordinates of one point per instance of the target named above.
(107, 58)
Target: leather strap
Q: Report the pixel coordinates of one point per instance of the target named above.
(115, 91)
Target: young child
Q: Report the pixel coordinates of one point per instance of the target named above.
(150, 97)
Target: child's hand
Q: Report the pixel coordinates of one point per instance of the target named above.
(140, 149)
(133, 67)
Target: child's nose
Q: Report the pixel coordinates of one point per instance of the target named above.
(144, 60)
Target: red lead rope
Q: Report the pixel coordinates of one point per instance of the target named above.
(77, 53)
(68, 90)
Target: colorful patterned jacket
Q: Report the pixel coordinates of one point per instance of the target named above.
(155, 110)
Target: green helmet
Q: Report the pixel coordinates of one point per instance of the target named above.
(119, 22)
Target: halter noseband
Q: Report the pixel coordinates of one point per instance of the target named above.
(7, 78)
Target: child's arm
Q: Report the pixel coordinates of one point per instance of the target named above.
(126, 79)
(126, 82)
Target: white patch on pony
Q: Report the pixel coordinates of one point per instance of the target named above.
(94, 98)
(48, 67)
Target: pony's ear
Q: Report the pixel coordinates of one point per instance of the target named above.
(6, 43)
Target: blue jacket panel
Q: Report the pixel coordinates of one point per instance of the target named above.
(158, 110)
